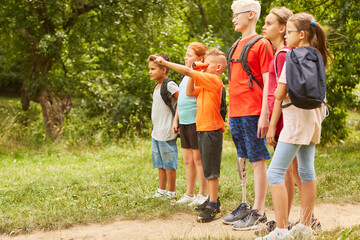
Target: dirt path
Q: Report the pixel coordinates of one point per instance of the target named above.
(185, 226)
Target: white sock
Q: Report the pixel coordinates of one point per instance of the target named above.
(161, 191)
(171, 192)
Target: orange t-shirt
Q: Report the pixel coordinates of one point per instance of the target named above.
(208, 88)
(244, 101)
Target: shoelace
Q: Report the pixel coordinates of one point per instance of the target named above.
(239, 208)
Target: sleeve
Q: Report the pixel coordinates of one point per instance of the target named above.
(265, 55)
(208, 81)
(172, 87)
(280, 61)
(282, 78)
(197, 91)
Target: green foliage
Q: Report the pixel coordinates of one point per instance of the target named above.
(97, 51)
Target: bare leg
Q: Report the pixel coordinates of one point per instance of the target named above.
(171, 177)
(213, 186)
(162, 178)
(307, 195)
(280, 201)
(261, 184)
(190, 171)
(199, 172)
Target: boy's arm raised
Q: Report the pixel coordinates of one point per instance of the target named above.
(174, 66)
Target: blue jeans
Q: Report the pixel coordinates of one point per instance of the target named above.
(283, 156)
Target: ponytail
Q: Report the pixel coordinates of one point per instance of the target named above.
(320, 43)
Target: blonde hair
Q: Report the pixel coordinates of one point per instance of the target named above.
(244, 5)
(220, 57)
(314, 33)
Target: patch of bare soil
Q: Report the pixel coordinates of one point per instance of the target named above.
(182, 225)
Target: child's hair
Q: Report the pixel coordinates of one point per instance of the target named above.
(314, 33)
(221, 57)
(152, 58)
(214, 52)
(244, 5)
(199, 48)
(282, 14)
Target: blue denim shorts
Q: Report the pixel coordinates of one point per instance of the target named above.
(244, 135)
(164, 154)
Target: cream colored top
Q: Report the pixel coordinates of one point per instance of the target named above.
(301, 126)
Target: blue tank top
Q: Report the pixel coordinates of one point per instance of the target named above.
(186, 105)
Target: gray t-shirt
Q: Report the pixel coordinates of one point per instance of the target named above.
(161, 115)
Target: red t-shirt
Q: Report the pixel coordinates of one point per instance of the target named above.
(244, 101)
(208, 88)
(280, 60)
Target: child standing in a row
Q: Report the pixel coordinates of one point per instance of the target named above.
(300, 133)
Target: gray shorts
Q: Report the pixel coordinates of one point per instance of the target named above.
(210, 145)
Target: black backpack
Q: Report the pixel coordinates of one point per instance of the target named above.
(166, 95)
(223, 106)
(305, 78)
(243, 59)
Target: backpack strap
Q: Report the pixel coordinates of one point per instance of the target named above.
(166, 95)
(275, 64)
(229, 59)
(243, 58)
(244, 62)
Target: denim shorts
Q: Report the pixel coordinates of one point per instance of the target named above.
(244, 135)
(164, 154)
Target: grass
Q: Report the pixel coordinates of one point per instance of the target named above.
(53, 186)
(56, 185)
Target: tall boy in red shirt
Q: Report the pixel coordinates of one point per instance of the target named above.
(209, 123)
(248, 111)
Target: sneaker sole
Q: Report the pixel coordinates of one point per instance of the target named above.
(229, 223)
(253, 227)
(217, 216)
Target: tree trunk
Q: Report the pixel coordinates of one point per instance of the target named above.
(54, 110)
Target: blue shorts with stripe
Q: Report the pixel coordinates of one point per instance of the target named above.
(244, 135)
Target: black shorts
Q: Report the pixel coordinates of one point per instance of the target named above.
(210, 145)
(188, 136)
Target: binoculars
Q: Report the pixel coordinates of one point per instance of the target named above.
(199, 65)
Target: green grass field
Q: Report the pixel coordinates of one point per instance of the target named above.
(55, 185)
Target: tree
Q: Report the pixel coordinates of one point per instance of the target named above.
(64, 45)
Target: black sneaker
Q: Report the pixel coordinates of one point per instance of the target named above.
(239, 213)
(269, 227)
(202, 206)
(209, 214)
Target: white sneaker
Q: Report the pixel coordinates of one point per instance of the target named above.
(199, 199)
(170, 195)
(159, 195)
(186, 199)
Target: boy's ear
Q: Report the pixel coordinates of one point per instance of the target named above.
(252, 15)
